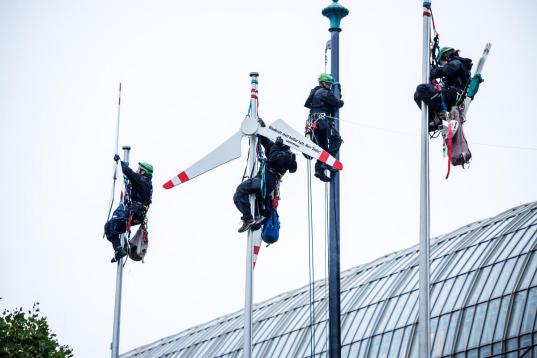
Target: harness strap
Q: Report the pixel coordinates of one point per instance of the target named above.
(311, 122)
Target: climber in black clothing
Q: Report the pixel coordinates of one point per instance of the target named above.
(141, 190)
(323, 105)
(454, 72)
(279, 160)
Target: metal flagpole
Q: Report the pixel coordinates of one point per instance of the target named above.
(424, 319)
(311, 263)
(335, 12)
(119, 282)
(248, 296)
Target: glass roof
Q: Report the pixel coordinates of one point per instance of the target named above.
(483, 303)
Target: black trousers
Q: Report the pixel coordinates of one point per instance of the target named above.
(117, 224)
(326, 136)
(425, 92)
(252, 186)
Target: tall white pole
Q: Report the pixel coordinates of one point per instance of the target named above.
(424, 297)
(119, 283)
(248, 296)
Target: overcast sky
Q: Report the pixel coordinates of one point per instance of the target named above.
(184, 67)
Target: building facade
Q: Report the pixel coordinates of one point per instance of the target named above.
(483, 304)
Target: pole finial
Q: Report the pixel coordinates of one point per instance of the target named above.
(335, 12)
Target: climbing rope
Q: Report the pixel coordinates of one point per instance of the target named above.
(311, 252)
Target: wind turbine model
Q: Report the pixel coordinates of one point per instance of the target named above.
(230, 150)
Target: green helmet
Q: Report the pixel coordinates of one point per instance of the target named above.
(443, 51)
(326, 77)
(148, 168)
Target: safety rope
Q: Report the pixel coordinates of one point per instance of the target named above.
(114, 178)
(310, 124)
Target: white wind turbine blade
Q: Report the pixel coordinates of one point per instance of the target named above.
(226, 152)
(298, 142)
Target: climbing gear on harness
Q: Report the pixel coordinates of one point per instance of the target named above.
(461, 154)
(326, 77)
(148, 168)
(455, 144)
(139, 243)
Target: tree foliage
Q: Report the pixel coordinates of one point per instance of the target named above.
(27, 335)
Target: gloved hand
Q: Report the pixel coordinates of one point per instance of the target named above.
(261, 122)
(279, 141)
(116, 158)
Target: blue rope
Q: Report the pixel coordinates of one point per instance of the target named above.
(443, 103)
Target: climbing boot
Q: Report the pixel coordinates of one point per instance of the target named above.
(330, 168)
(321, 175)
(118, 254)
(258, 222)
(435, 124)
(246, 224)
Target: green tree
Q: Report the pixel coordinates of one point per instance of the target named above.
(26, 335)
